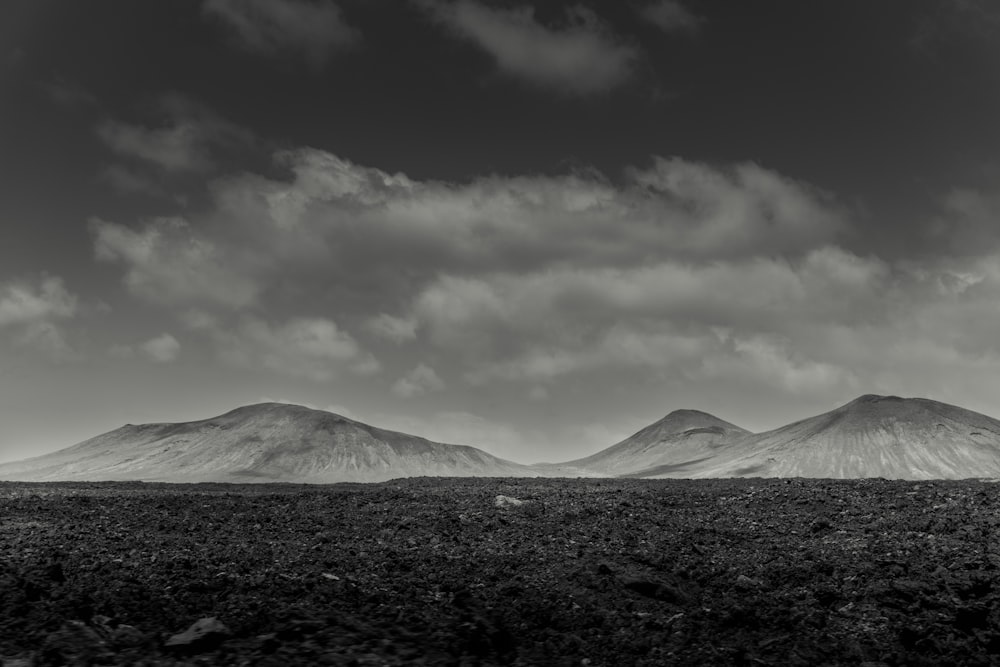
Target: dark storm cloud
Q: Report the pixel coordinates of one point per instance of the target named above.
(582, 56)
(312, 30)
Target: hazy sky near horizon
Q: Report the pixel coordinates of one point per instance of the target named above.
(529, 227)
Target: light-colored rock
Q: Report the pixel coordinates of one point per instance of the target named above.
(507, 501)
(205, 634)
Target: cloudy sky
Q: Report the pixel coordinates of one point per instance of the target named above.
(533, 228)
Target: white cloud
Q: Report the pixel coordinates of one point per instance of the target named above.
(546, 325)
(396, 329)
(174, 148)
(515, 277)
(129, 181)
(32, 310)
(49, 338)
(22, 302)
(581, 57)
(161, 349)
(312, 348)
(312, 30)
(766, 360)
(538, 393)
(184, 140)
(67, 93)
(167, 261)
(420, 380)
(671, 16)
(967, 222)
(715, 275)
(371, 220)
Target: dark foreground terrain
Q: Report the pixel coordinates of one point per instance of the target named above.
(425, 571)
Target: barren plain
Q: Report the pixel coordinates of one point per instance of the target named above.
(432, 571)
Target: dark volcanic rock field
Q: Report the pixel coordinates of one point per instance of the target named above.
(430, 571)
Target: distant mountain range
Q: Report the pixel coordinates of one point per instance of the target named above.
(872, 436)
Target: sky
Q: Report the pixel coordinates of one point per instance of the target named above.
(532, 228)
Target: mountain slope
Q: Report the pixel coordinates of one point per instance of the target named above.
(260, 443)
(872, 436)
(669, 447)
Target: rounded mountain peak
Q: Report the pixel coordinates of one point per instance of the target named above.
(682, 420)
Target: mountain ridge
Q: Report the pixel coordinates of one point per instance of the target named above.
(870, 436)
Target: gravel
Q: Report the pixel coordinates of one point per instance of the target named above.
(431, 571)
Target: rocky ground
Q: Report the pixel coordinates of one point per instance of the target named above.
(425, 571)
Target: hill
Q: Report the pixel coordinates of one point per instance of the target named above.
(267, 442)
(872, 436)
(672, 446)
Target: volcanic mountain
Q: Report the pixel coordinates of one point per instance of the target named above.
(872, 436)
(269, 442)
(674, 446)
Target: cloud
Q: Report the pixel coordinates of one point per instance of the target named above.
(545, 325)
(312, 30)
(22, 302)
(526, 276)
(395, 329)
(966, 223)
(762, 359)
(184, 140)
(67, 93)
(580, 57)
(420, 380)
(167, 262)
(129, 181)
(366, 217)
(32, 310)
(671, 16)
(161, 349)
(312, 348)
(538, 393)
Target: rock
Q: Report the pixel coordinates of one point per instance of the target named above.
(17, 662)
(54, 572)
(745, 583)
(74, 643)
(204, 635)
(127, 636)
(507, 501)
(654, 589)
(819, 525)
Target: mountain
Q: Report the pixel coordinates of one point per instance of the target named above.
(673, 446)
(268, 442)
(872, 436)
